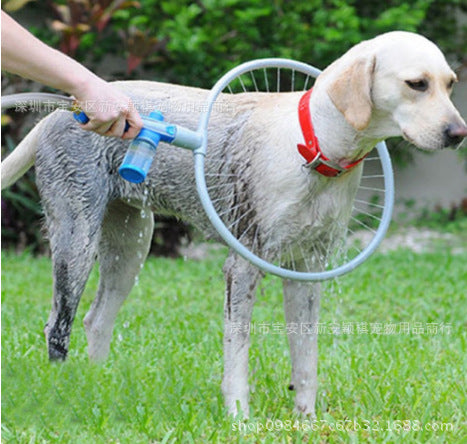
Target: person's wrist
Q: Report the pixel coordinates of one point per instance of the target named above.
(82, 87)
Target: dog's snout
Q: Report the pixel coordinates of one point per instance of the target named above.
(454, 134)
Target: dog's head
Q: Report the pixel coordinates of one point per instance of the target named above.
(399, 84)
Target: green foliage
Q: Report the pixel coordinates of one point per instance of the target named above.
(449, 220)
(22, 214)
(206, 39)
(194, 43)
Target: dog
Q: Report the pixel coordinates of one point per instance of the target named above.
(397, 84)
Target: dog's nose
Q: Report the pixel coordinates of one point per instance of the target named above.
(454, 134)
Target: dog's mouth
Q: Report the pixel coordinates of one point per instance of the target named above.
(408, 138)
(456, 146)
(433, 146)
(412, 141)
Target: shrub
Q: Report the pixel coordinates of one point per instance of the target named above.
(194, 43)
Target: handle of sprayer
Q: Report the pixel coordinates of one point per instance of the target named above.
(174, 134)
(81, 117)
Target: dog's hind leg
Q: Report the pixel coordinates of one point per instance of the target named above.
(74, 227)
(241, 280)
(124, 245)
(301, 304)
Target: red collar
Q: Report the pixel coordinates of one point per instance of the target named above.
(311, 151)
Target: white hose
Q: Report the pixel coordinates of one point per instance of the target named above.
(22, 99)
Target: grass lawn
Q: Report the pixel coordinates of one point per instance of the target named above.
(392, 358)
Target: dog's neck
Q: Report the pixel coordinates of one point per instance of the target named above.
(339, 141)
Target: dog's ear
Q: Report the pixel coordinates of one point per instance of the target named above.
(351, 92)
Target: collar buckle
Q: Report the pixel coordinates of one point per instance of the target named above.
(314, 163)
(333, 167)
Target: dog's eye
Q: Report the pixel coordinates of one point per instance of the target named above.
(418, 85)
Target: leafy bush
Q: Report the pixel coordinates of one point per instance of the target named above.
(194, 43)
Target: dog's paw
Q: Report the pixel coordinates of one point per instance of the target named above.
(305, 404)
(305, 410)
(57, 353)
(238, 410)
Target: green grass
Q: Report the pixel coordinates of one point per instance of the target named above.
(162, 380)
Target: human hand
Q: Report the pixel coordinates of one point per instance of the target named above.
(108, 109)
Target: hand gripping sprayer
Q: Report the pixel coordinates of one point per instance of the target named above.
(140, 154)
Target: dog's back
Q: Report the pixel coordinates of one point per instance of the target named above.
(249, 161)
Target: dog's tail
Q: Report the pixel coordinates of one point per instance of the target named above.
(22, 158)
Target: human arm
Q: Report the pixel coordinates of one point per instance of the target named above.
(27, 56)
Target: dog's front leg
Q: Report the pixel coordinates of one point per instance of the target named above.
(241, 280)
(301, 304)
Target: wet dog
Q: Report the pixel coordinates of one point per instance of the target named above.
(397, 84)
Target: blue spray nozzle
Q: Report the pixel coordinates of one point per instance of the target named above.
(140, 154)
(142, 150)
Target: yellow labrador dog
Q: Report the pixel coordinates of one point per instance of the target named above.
(397, 84)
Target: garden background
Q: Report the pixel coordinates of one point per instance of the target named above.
(194, 43)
